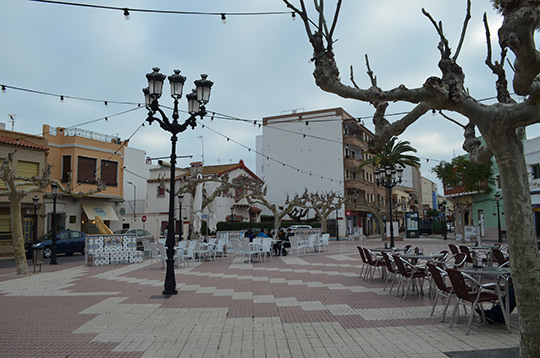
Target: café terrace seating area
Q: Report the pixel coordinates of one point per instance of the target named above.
(468, 276)
(229, 245)
(466, 279)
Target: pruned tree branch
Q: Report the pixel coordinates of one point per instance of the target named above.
(463, 30)
(517, 33)
(503, 95)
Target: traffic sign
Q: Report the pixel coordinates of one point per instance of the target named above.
(144, 218)
(348, 213)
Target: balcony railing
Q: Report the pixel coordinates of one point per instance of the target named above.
(84, 133)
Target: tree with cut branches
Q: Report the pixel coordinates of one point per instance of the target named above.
(468, 177)
(500, 124)
(323, 204)
(254, 191)
(17, 188)
(188, 185)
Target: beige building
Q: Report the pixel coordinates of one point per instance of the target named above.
(30, 158)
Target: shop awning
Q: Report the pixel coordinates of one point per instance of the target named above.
(104, 210)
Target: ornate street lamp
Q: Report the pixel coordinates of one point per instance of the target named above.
(386, 177)
(54, 190)
(499, 236)
(196, 107)
(35, 201)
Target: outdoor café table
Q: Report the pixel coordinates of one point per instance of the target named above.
(498, 272)
(426, 256)
(486, 249)
(388, 249)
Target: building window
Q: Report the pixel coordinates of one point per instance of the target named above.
(109, 172)
(498, 181)
(66, 168)
(535, 171)
(160, 191)
(27, 170)
(86, 170)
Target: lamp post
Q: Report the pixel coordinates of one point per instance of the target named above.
(499, 236)
(35, 201)
(386, 177)
(250, 219)
(134, 201)
(181, 229)
(197, 100)
(54, 190)
(443, 207)
(337, 225)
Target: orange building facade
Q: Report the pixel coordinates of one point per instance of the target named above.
(80, 157)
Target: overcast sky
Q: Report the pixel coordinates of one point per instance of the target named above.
(259, 65)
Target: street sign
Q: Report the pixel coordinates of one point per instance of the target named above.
(369, 215)
(205, 216)
(144, 218)
(348, 213)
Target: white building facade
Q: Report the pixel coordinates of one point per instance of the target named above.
(224, 208)
(320, 151)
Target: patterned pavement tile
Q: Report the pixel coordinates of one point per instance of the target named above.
(314, 305)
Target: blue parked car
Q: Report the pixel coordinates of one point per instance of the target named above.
(67, 242)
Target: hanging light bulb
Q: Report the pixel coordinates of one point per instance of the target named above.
(126, 13)
(106, 103)
(223, 18)
(3, 89)
(293, 15)
(62, 99)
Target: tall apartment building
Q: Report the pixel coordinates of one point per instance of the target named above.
(321, 151)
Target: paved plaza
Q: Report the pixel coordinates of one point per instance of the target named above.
(314, 305)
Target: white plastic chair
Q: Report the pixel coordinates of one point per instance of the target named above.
(181, 253)
(190, 251)
(160, 254)
(266, 247)
(324, 241)
(249, 250)
(296, 246)
(236, 249)
(220, 247)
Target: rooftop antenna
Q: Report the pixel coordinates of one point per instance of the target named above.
(12, 120)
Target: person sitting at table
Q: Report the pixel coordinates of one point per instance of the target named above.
(263, 233)
(280, 244)
(249, 234)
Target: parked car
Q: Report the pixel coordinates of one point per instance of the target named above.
(295, 227)
(139, 233)
(67, 242)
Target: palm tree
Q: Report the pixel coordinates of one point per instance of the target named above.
(393, 155)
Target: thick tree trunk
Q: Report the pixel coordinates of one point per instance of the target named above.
(524, 257)
(324, 224)
(17, 236)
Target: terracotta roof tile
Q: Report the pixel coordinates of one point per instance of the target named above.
(22, 143)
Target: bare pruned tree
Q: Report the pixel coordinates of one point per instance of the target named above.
(501, 124)
(254, 191)
(323, 204)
